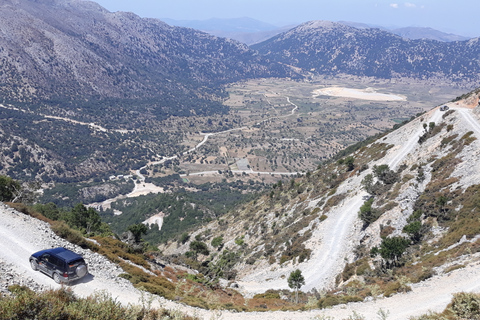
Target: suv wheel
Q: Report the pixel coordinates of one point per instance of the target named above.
(56, 278)
(34, 264)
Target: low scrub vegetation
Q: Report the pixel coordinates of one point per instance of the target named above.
(464, 305)
(24, 304)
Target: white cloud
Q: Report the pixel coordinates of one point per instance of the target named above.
(394, 5)
(410, 5)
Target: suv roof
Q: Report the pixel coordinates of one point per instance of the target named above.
(65, 254)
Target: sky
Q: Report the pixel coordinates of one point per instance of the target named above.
(460, 17)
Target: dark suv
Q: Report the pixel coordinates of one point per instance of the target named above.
(61, 264)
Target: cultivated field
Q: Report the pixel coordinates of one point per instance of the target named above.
(290, 126)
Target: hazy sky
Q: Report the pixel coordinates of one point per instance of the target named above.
(454, 16)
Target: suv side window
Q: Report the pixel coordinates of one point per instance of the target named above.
(56, 262)
(46, 257)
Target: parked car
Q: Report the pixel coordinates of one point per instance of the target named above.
(61, 264)
(367, 197)
(444, 108)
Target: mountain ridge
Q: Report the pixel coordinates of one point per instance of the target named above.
(86, 55)
(326, 47)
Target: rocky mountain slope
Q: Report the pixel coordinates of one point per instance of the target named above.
(122, 72)
(92, 55)
(330, 48)
(412, 32)
(424, 175)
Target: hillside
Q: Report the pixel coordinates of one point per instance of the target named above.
(412, 32)
(321, 212)
(245, 30)
(330, 48)
(427, 33)
(425, 174)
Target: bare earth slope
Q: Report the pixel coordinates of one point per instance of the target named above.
(333, 241)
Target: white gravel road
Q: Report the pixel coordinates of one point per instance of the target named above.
(334, 238)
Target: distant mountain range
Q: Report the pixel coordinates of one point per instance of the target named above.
(329, 48)
(412, 33)
(252, 31)
(246, 30)
(225, 25)
(92, 55)
(427, 33)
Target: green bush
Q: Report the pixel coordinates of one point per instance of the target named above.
(25, 304)
(367, 214)
(217, 242)
(393, 248)
(385, 174)
(331, 300)
(466, 305)
(269, 294)
(240, 241)
(463, 306)
(8, 188)
(184, 238)
(198, 247)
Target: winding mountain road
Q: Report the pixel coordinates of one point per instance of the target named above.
(330, 241)
(474, 124)
(21, 235)
(412, 142)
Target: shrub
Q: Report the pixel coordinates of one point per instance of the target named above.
(239, 241)
(217, 242)
(395, 287)
(463, 306)
(184, 238)
(137, 230)
(8, 188)
(29, 211)
(63, 304)
(391, 249)
(385, 174)
(199, 247)
(331, 300)
(61, 229)
(415, 230)
(269, 294)
(367, 213)
(466, 305)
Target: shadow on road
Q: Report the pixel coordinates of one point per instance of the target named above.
(89, 277)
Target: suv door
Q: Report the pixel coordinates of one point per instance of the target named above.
(45, 263)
